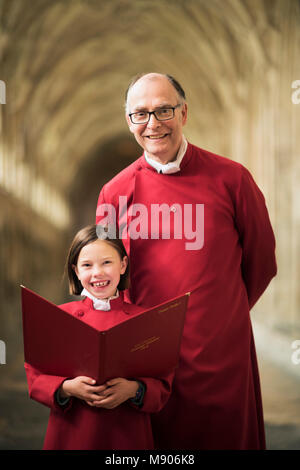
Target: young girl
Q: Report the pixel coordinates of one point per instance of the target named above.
(85, 415)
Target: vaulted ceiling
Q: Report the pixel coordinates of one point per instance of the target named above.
(67, 64)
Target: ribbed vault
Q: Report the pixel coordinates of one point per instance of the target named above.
(67, 64)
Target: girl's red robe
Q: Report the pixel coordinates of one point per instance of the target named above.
(216, 399)
(78, 426)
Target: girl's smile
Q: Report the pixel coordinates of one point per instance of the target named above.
(99, 268)
(100, 284)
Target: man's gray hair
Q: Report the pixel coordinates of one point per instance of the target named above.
(171, 79)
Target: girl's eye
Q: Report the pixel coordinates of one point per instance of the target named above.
(107, 262)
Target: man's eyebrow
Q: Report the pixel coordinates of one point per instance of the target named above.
(142, 108)
(139, 108)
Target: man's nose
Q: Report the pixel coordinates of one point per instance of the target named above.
(153, 122)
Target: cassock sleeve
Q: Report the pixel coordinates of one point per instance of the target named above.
(256, 238)
(157, 392)
(43, 388)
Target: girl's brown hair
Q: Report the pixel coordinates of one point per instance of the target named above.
(82, 238)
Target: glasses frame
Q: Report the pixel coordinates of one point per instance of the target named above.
(154, 113)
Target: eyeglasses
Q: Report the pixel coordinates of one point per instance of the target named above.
(162, 114)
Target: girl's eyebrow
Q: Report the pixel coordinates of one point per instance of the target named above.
(87, 260)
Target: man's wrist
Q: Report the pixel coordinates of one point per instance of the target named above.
(61, 399)
(139, 396)
(63, 392)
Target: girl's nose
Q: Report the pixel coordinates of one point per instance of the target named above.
(98, 271)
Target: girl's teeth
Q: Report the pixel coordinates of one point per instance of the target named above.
(100, 284)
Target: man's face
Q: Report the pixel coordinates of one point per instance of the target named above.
(160, 139)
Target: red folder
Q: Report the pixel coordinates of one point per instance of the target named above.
(57, 343)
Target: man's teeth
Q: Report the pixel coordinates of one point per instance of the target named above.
(156, 136)
(100, 284)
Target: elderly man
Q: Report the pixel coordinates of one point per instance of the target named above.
(214, 240)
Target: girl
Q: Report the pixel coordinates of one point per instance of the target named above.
(85, 415)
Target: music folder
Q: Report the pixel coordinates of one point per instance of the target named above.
(144, 345)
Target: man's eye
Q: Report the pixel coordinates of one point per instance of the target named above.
(165, 111)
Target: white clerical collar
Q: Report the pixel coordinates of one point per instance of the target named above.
(100, 304)
(171, 167)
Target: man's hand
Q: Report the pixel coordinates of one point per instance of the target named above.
(117, 391)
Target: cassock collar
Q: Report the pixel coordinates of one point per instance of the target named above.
(171, 167)
(100, 304)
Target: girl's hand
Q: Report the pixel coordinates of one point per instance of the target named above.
(117, 391)
(83, 388)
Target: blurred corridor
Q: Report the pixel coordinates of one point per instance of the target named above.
(65, 67)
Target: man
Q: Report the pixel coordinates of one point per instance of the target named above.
(216, 241)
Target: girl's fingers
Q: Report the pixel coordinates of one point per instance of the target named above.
(113, 381)
(93, 397)
(105, 402)
(106, 393)
(87, 380)
(90, 381)
(95, 390)
(100, 388)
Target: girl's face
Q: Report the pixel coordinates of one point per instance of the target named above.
(99, 268)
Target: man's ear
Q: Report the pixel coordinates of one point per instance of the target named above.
(129, 123)
(184, 113)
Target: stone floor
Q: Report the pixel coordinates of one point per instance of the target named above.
(23, 421)
(281, 399)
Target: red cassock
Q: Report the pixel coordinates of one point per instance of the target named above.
(216, 399)
(78, 426)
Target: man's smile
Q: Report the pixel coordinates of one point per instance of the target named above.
(156, 136)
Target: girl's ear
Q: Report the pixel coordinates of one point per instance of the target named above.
(124, 264)
(74, 267)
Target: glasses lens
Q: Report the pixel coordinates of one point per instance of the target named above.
(164, 113)
(139, 118)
